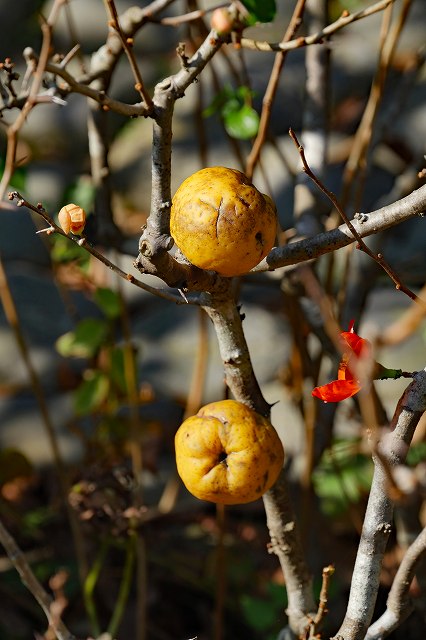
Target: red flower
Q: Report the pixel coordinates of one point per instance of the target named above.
(346, 385)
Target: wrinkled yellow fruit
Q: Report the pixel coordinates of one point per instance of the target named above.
(228, 453)
(221, 222)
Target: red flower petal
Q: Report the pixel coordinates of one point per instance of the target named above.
(358, 345)
(337, 390)
(346, 385)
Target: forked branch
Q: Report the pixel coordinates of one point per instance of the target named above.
(378, 518)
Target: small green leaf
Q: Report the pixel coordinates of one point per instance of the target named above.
(37, 518)
(109, 301)
(342, 478)
(217, 103)
(228, 99)
(260, 10)
(85, 341)
(232, 105)
(91, 393)
(242, 123)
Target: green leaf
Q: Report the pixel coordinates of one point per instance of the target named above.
(109, 301)
(242, 123)
(35, 519)
(342, 477)
(91, 393)
(233, 103)
(217, 103)
(260, 10)
(85, 341)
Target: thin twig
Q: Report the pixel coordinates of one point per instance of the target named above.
(191, 16)
(307, 209)
(156, 241)
(33, 585)
(108, 104)
(327, 573)
(271, 90)
(104, 60)
(360, 243)
(53, 227)
(363, 137)
(127, 43)
(13, 130)
(125, 585)
(90, 585)
(316, 38)
(11, 313)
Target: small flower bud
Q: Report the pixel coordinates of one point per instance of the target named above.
(222, 21)
(72, 219)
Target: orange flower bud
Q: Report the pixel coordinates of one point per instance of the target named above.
(222, 21)
(72, 219)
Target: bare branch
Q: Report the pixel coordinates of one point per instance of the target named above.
(155, 238)
(271, 89)
(109, 104)
(224, 313)
(365, 224)
(54, 228)
(18, 560)
(319, 37)
(286, 544)
(378, 518)
(12, 132)
(307, 210)
(285, 537)
(378, 257)
(399, 604)
(127, 44)
(357, 161)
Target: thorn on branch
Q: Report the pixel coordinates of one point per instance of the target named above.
(48, 230)
(183, 295)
